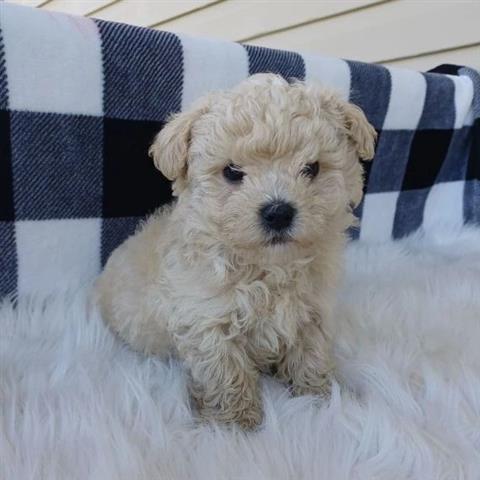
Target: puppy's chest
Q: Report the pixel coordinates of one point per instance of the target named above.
(275, 314)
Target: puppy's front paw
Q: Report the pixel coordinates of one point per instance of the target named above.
(321, 387)
(250, 419)
(247, 415)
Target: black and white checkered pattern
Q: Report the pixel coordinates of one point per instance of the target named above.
(81, 99)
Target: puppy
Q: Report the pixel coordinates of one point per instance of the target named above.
(238, 276)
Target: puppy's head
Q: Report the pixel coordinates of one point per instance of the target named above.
(268, 166)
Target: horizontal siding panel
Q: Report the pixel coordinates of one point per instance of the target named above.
(239, 19)
(148, 12)
(28, 3)
(468, 56)
(75, 7)
(389, 30)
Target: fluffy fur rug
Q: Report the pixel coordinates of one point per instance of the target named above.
(76, 404)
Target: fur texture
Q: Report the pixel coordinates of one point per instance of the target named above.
(206, 281)
(78, 404)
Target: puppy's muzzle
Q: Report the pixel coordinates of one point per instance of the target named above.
(277, 217)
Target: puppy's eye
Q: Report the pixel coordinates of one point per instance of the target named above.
(311, 170)
(233, 173)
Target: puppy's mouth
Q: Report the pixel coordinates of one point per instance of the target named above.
(278, 239)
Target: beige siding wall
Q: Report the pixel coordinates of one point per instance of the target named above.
(412, 33)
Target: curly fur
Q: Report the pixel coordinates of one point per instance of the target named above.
(200, 280)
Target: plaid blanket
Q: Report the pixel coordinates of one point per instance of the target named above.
(81, 99)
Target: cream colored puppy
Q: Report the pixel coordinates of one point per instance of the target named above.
(238, 276)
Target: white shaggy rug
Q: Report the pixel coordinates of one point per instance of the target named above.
(76, 404)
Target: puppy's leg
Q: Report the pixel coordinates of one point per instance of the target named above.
(224, 382)
(308, 365)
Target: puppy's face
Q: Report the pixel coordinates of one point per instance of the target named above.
(268, 167)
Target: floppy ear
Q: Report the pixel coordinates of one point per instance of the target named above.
(170, 147)
(359, 131)
(362, 137)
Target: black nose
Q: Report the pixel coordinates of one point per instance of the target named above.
(277, 215)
